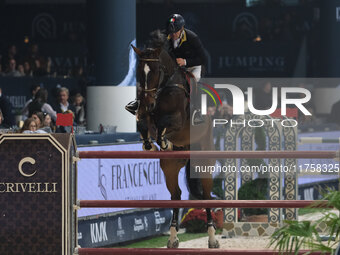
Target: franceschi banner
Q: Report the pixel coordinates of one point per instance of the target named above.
(35, 194)
(121, 179)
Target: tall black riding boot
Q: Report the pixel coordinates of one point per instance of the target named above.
(196, 118)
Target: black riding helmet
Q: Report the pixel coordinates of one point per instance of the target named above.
(174, 23)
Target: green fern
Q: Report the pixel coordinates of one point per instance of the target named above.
(295, 235)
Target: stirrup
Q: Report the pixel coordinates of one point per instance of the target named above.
(132, 107)
(197, 118)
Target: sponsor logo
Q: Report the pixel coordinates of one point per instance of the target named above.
(120, 231)
(31, 187)
(44, 26)
(98, 232)
(139, 225)
(158, 220)
(101, 180)
(146, 223)
(136, 175)
(248, 21)
(24, 160)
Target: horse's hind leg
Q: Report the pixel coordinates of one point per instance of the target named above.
(171, 169)
(212, 242)
(207, 186)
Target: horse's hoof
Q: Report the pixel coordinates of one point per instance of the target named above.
(168, 147)
(214, 245)
(174, 244)
(153, 147)
(149, 147)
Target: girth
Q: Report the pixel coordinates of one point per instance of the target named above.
(176, 85)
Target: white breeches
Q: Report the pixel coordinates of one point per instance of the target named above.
(196, 71)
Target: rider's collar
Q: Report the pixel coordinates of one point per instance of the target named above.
(183, 37)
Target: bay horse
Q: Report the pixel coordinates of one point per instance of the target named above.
(164, 115)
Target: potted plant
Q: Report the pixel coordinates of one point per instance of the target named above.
(295, 235)
(195, 220)
(254, 190)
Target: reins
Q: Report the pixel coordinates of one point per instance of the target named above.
(149, 59)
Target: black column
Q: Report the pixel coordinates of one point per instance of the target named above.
(330, 37)
(112, 27)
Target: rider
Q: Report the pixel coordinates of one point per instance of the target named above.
(187, 49)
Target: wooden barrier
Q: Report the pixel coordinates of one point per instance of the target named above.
(199, 203)
(209, 154)
(157, 251)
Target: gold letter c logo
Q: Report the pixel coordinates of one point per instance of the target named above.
(24, 160)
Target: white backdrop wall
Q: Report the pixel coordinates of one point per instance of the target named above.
(106, 106)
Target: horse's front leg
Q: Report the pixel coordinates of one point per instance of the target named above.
(142, 127)
(162, 141)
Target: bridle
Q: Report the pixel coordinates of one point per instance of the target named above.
(154, 93)
(162, 74)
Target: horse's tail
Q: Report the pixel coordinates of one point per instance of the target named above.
(193, 184)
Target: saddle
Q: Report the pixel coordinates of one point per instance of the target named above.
(187, 86)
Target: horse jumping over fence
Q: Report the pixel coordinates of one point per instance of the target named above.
(164, 115)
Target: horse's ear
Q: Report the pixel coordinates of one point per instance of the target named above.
(138, 51)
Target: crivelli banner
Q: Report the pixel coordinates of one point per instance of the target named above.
(122, 179)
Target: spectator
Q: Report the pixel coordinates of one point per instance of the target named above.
(48, 125)
(21, 70)
(211, 111)
(49, 67)
(39, 119)
(34, 90)
(12, 69)
(63, 106)
(263, 97)
(79, 104)
(335, 113)
(11, 54)
(304, 119)
(27, 69)
(33, 54)
(78, 73)
(6, 109)
(1, 72)
(39, 69)
(30, 125)
(1, 117)
(40, 104)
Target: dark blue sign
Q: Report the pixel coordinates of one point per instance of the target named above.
(123, 227)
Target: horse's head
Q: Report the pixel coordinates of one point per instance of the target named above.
(150, 74)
